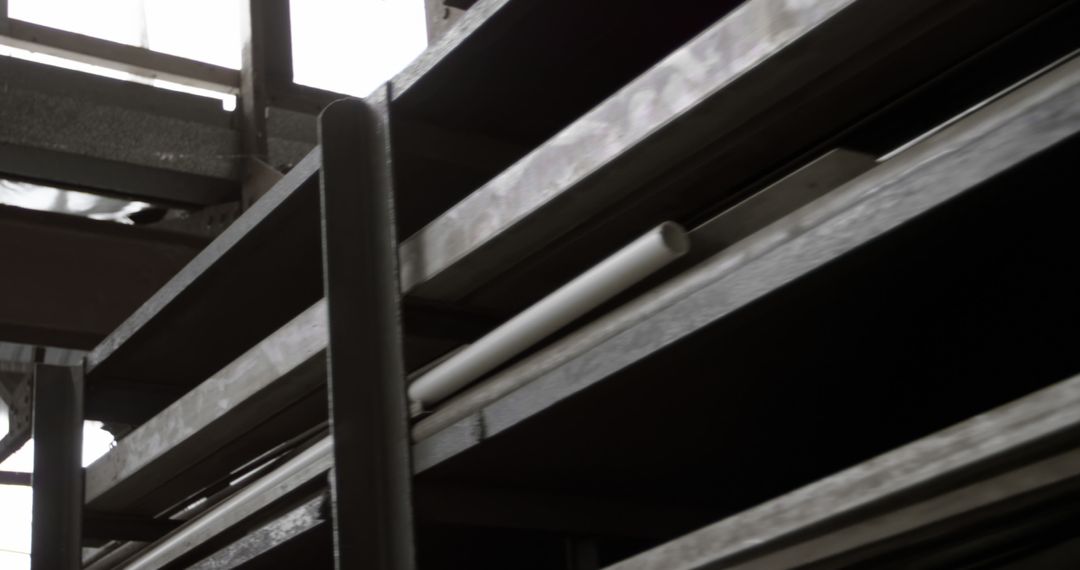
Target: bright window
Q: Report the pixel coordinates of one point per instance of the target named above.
(203, 30)
(353, 46)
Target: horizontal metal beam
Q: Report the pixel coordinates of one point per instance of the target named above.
(727, 228)
(1047, 420)
(272, 390)
(76, 113)
(120, 57)
(71, 129)
(308, 521)
(68, 281)
(162, 453)
(275, 241)
(977, 464)
(15, 478)
(719, 108)
(305, 467)
(1001, 135)
(1005, 134)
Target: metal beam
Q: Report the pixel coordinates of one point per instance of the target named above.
(1015, 128)
(117, 56)
(56, 542)
(988, 461)
(725, 229)
(68, 281)
(372, 477)
(275, 241)
(1045, 421)
(162, 458)
(294, 474)
(75, 130)
(74, 113)
(306, 521)
(717, 120)
(15, 478)
(265, 394)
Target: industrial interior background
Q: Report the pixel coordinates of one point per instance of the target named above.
(755, 284)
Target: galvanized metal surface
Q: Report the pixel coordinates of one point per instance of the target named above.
(113, 554)
(755, 213)
(56, 534)
(263, 542)
(955, 160)
(50, 108)
(372, 478)
(970, 152)
(705, 98)
(167, 450)
(298, 471)
(69, 128)
(738, 43)
(237, 241)
(887, 496)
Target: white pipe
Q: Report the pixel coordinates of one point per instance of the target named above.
(631, 264)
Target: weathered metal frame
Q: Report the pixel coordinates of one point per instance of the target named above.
(75, 130)
(477, 20)
(158, 464)
(371, 481)
(432, 248)
(926, 484)
(297, 523)
(711, 97)
(1034, 117)
(1001, 135)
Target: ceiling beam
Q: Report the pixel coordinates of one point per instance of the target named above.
(68, 281)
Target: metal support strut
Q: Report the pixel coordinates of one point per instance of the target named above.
(56, 542)
(372, 476)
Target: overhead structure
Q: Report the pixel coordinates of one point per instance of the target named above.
(860, 351)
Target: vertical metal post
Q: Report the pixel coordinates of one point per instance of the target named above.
(266, 65)
(3, 16)
(372, 476)
(56, 542)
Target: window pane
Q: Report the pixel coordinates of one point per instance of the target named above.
(352, 46)
(203, 30)
(115, 20)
